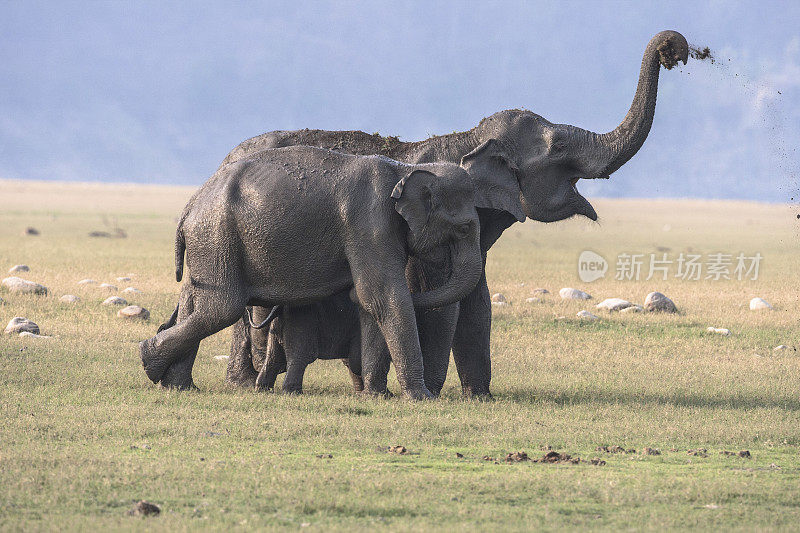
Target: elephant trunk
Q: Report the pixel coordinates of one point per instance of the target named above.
(621, 144)
(467, 265)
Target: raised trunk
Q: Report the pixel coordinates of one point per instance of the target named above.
(467, 265)
(667, 48)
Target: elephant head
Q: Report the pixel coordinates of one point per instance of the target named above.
(437, 202)
(523, 152)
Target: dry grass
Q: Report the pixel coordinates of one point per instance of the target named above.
(85, 434)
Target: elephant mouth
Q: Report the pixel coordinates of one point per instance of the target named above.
(579, 203)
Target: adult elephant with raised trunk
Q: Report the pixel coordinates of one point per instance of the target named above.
(521, 165)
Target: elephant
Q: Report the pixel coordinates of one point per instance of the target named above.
(523, 166)
(328, 329)
(295, 225)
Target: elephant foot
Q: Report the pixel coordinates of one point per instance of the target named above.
(385, 394)
(247, 382)
(177, 378)
(418, 394)
(152, 366)
(472, 394)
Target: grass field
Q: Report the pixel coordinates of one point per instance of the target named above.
(85, 434)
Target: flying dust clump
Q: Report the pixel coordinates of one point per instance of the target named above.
(701, 54)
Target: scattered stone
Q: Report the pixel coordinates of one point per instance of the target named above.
(540, 291)
(586, 315)
(533, 300)
(221, 357)
(597, 462)
(651, 451)
(568, 293)
(700, 452)
(487, 458)
(632, 309)
(325, 456)
(1, 301)
(31, 231)
(87, 281)
(143, 508)
(108, 286)
(33, 335)
(399, 450)
(131, 290)
(114, 300)
(20, 324)
(123, 278)
(21, 286)
(782, 347)
(459, 455)
(134, 311)
(744, 454)
(500, 304)
(721, 331)
(658, 303)
(614, 304)
(69, 299)
(517, 457)
(757, 304)
(19, 268)
(498, 297)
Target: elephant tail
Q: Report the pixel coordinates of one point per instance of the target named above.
(180, 248)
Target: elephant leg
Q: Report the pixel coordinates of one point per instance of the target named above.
(295, 370)
(206, 311)
(240, 372)
(471, 341)
(375, 357)
(274, 364)
(179, 374)
(389, 302)
(353, 364)
(436, 330)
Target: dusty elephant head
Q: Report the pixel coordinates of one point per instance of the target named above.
(437, 202)
(523, 153)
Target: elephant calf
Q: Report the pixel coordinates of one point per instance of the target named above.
(295, 225)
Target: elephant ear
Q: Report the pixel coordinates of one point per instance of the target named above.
(414, 195)
(494, 178)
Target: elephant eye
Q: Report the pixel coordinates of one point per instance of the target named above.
(462, 230)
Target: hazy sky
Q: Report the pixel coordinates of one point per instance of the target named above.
(161, 91)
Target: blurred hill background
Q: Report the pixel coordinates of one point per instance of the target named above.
(158, 92)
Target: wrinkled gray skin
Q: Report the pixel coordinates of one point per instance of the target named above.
(291, 226)
(542, 163)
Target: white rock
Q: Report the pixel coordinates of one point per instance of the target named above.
(131, 290)
(123, 278)
(540, 290)
(568, 293)
(69, 299)
(114, 300)
(108, 286)
(614, 304)
(533, 300)
(497, 297)
(134, 311)
(221, 357)
(18, 324)
(780, 348)
(657, 302)
(19, 268)
(757, 304)
(500, 304)
(632, 309)
(586, 315)
(87, 281)
(33, 335)
(721, 331)
(19, 285)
